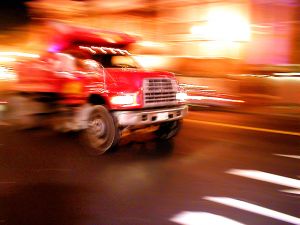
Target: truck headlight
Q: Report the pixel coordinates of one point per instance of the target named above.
(126, 99)
(181, 96)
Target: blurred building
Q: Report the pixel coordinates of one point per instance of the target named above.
(257, 31)
(275, 32)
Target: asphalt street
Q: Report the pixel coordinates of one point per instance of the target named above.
(223, 168)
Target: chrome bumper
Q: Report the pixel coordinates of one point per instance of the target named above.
(146, 117)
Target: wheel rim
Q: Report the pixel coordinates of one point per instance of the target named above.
(98, 127)
(97, 133)
(101, 133)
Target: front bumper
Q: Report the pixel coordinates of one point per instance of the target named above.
(146, 117)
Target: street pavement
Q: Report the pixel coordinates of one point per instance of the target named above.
(223, 168)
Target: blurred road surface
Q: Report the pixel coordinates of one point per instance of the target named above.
(223, 168)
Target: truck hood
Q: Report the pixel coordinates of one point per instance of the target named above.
(131, 80)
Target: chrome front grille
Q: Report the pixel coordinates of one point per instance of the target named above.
(159, 92)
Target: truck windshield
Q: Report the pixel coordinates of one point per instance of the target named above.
(115, 61)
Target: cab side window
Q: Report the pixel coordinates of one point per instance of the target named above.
(88, 65)
(63, 63)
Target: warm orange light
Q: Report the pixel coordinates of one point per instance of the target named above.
(18, 54)
(227, 25)
(223, 24)
(151, 44)
(7, 59)
(149, 61)
(197, 30)
(7, 74)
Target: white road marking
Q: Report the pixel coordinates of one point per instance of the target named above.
(255, 209)
(289, 156)
(292, 191)
(202, 218)
(267, 177)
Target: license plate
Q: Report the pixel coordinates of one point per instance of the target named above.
(162, 116)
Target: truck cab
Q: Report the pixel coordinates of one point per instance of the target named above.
(88, 82)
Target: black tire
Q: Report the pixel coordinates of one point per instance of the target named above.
(168, 130)
(102, 133)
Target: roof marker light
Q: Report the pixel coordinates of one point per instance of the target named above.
(89, 49)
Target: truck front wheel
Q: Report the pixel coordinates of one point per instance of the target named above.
(101, 133)
(168, 130)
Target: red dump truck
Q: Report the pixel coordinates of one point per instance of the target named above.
(87, 81)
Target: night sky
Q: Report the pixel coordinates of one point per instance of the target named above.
(13, 13)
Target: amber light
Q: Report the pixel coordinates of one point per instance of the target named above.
(73, 87)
